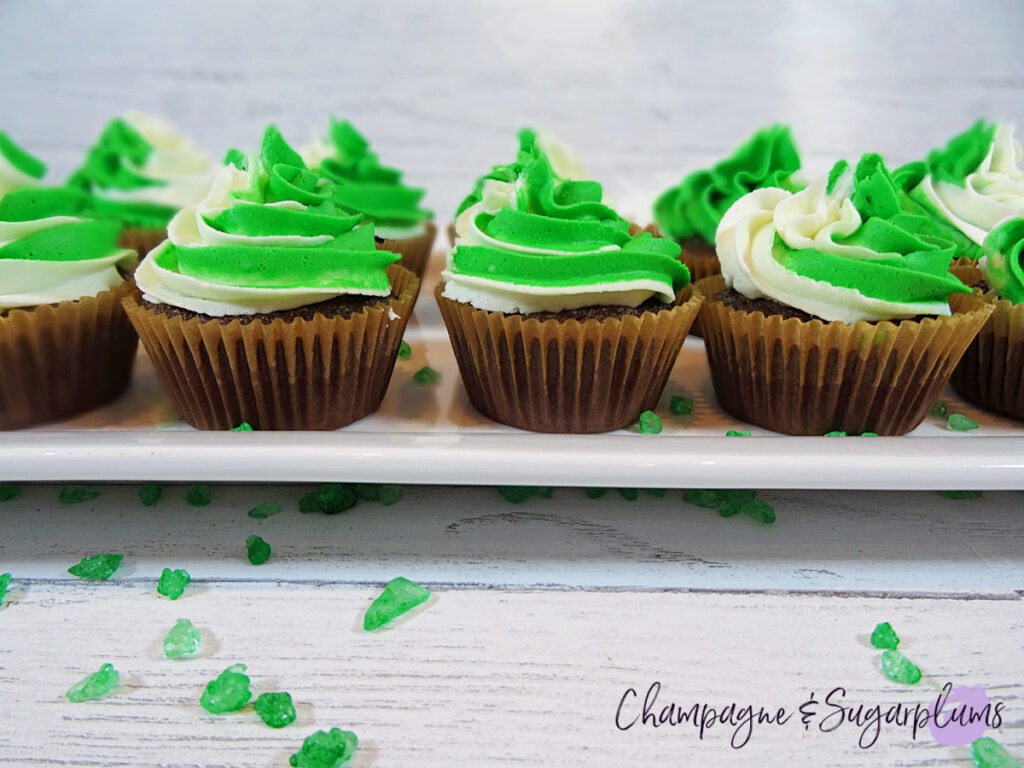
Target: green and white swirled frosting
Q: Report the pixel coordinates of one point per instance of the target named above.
(268, 237)
(846, 248)
(53, 248)
(18, 169)
(534, 243)
(1004, 265)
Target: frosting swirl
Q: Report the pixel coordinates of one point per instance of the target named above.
(976, 182)
(268, 237)
(53, 249)
(538, 244)
(696, 205)
(18, 169)
(844, 248)
(141, 171)
(365, 186)
(1004, 265)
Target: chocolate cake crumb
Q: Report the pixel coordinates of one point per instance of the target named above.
(341, 306)
(600, 312)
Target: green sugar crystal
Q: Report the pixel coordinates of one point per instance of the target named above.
(404, 350)
(680, 406)
(95, 686)
(659, 492)
(650, 423)
(275, 709)
(869, 434)
(515, 494)
(957, 422)
(265, 509)
(198, 495)
(938, 410)
(629, 494)
(738, 433)
(595, 493)
(8, 491)
(173, 583)
(835, 433)
(182, 640)
(335, 498)
(899, 668)
(426, 376)
(245, 426)
(367, 491)
(958, 495)
(257, 549)
(325, 749)
(390, 494)
(76, 494)
(96, 568)
(704, 498)
(986, 752)
(884, 638)
(5, 582)
(400, 595)
(310, 503)
(756, 508)
(228, 692)
(150, 493)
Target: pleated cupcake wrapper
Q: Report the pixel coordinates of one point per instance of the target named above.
(968, 271)
(315, 374)
(566, 376)
(62, 359)
(809, 378)
(142, 239)
(415, 251)
(991, 372)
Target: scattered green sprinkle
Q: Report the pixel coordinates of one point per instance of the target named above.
(938, 410)
(835, 433)
(182, 640)
(957, 422)
(5, 582)
(245, 426)
(367, 491)
(884, 637)
(706, 499)
(650, 423)
(96, 568)
(275, 709)
(899, 668)
(731, 501)
(198, 495)
(659, 492)
(595, 493)
(265, 509)
(869, 434)
(257, 549)
(629, 494)
(426, 376)
(986, 752)
(335, 498)
(544, 491)
(390, 494)
(680, 406)
(400, 595)
(515, 494)
(150, 493)
(76, 494)
(8, 491)
(738, 433)
(961, 494)
(228, 692)
(325, 749)
(95, 686)
(404, 350)
(173, 583)
(756, 508)
(310, 503)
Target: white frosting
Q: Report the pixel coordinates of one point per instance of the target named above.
(992, 194)
(806, 219)
(11, 179)
(399, 233)
(564, 162)
(30, 282)
(184, 173)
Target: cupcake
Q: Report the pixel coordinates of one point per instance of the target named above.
(689, 212)
(363, 185)
(560, 320)
(142, 172)
(830, 313)
(991, 372)
(971, 186)
(269, 304)
(65, 343)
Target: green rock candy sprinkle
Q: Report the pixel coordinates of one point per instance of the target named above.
(325, 749)
(738, 433)
(257, 549)
(228, 692)
(515, 494)
(986, 752)
(198, 495)
(426, 376)
(404, 350)
(8, 491)
(95, 686)
(96, 568)
(595, 493)
(182, 640)
(76, 494)
(245, 426)
(680, 406)
(150, 493)
(173, 583)
(958, 495)
(650, 423)
(275, 709)
(334, 498)
(400, 595)
(957, 422)
(835, 433)
(5, 582)
(629, 494)
(884, 638)
(265, 509)
(938, 410)
(899, 668)
(390, 494)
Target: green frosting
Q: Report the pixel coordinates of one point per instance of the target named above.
(913, 262)
(963, 154)
(365, 186)
(569, 218)
(75, 241)
(1004, 267)
(20, 159)
(695, 207)
(349, 261)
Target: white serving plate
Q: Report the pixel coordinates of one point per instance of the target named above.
(432, 435)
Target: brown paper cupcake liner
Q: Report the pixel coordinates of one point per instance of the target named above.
(62, 359)
(566, 375)
(968, 271)
(142, 239)
(317, 374)
(415, 251)
(809, 378)
(991, 372)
